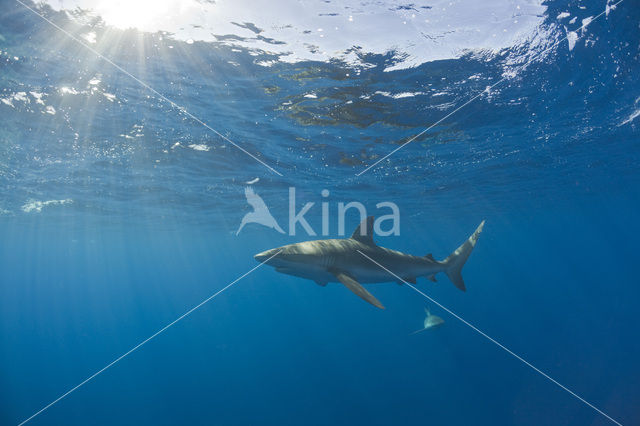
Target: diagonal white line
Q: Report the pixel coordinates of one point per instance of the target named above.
(479, 94)
(501, 346)
(146, 86)
(112, 363)
(432, 126)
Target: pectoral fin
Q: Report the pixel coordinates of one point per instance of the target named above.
(357, 288)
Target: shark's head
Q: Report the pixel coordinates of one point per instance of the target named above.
(265, 256)
(300, 253)
(278, 257)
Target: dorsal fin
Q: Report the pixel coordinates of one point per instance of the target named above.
(364, 232)
(430, 257)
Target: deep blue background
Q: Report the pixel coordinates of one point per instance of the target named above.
(553, 277)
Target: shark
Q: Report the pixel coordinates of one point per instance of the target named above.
(359, 260)
(430, 321)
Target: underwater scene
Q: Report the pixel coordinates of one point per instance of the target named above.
(338, 212)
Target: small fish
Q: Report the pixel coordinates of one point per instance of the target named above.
(430, 321)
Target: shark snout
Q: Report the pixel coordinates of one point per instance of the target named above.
(265, 255)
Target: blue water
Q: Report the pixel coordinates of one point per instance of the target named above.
(110, 231)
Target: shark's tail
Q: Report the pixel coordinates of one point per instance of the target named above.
(456, 260)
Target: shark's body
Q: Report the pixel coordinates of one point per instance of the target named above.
(352, 261)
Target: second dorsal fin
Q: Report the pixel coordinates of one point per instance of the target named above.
(430, 257)
(364, 232)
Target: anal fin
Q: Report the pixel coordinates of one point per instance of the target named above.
(357, 288)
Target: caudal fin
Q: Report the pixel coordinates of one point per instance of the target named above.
(456, 260)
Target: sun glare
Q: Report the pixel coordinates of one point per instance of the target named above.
(145, 15)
